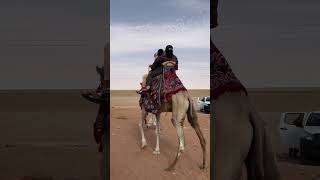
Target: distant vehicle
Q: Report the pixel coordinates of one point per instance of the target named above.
(300, 132)
(204, 104)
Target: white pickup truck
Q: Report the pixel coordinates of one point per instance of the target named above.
(300, 132)
(204, 104)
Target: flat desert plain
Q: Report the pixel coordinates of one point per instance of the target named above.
(48, 133)
(271, 102)
(129, 161)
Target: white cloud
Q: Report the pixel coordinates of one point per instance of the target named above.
(194, 75)
(131, 43)
(144, 38)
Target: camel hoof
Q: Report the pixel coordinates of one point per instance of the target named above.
(181, 150)
(156, 152)
(202, 167)
(169, 169)
(143, 145)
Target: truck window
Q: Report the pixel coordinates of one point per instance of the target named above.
(292, 118)
(314, 120)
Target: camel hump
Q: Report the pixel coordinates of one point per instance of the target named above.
(169, 63)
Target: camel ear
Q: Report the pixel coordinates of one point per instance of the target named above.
(100, 70)
(97, 69)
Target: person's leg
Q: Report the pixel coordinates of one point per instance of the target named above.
(148, 83)
(149, 80)
(151, 75)
(144, 80)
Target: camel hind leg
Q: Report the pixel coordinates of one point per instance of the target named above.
(232, 135)
(157, 131)
(261, 161)
(180, 106)
(193, 120)
(143, 118)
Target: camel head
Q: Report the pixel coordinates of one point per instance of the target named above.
(100, 71)
(214, 14)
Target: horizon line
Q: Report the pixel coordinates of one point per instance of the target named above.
(78, 89)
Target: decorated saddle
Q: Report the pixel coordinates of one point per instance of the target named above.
(222, 78)
(163, 87)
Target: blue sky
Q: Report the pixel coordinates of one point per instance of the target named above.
(139, 28)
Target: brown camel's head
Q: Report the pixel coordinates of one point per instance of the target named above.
(100, 71)
(213, 13)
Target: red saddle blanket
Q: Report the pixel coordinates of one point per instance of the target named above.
(222, 78)
(163, 87)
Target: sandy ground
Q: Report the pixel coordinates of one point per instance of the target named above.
(129, 161)
(47, 134)
(271, 103)
(43, 161)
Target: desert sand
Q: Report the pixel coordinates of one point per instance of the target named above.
(271, 102)
(48, 133)
(129, 161)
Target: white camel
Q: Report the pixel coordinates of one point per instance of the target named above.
(151, 120)
(181, 105)
(144, 115)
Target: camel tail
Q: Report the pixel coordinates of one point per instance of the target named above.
(193, 120)
(261, 161)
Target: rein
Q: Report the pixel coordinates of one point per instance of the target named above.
(164, 80)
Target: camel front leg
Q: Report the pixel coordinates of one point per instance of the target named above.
(157, 131)
(143, 117)
(180, 107)
(180, 133)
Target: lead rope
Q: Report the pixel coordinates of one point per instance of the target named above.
(164, 81)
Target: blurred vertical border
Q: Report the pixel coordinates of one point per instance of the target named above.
(213, 24)
(106, 85)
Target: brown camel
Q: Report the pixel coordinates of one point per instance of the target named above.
(181, 106)
(240, 135)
